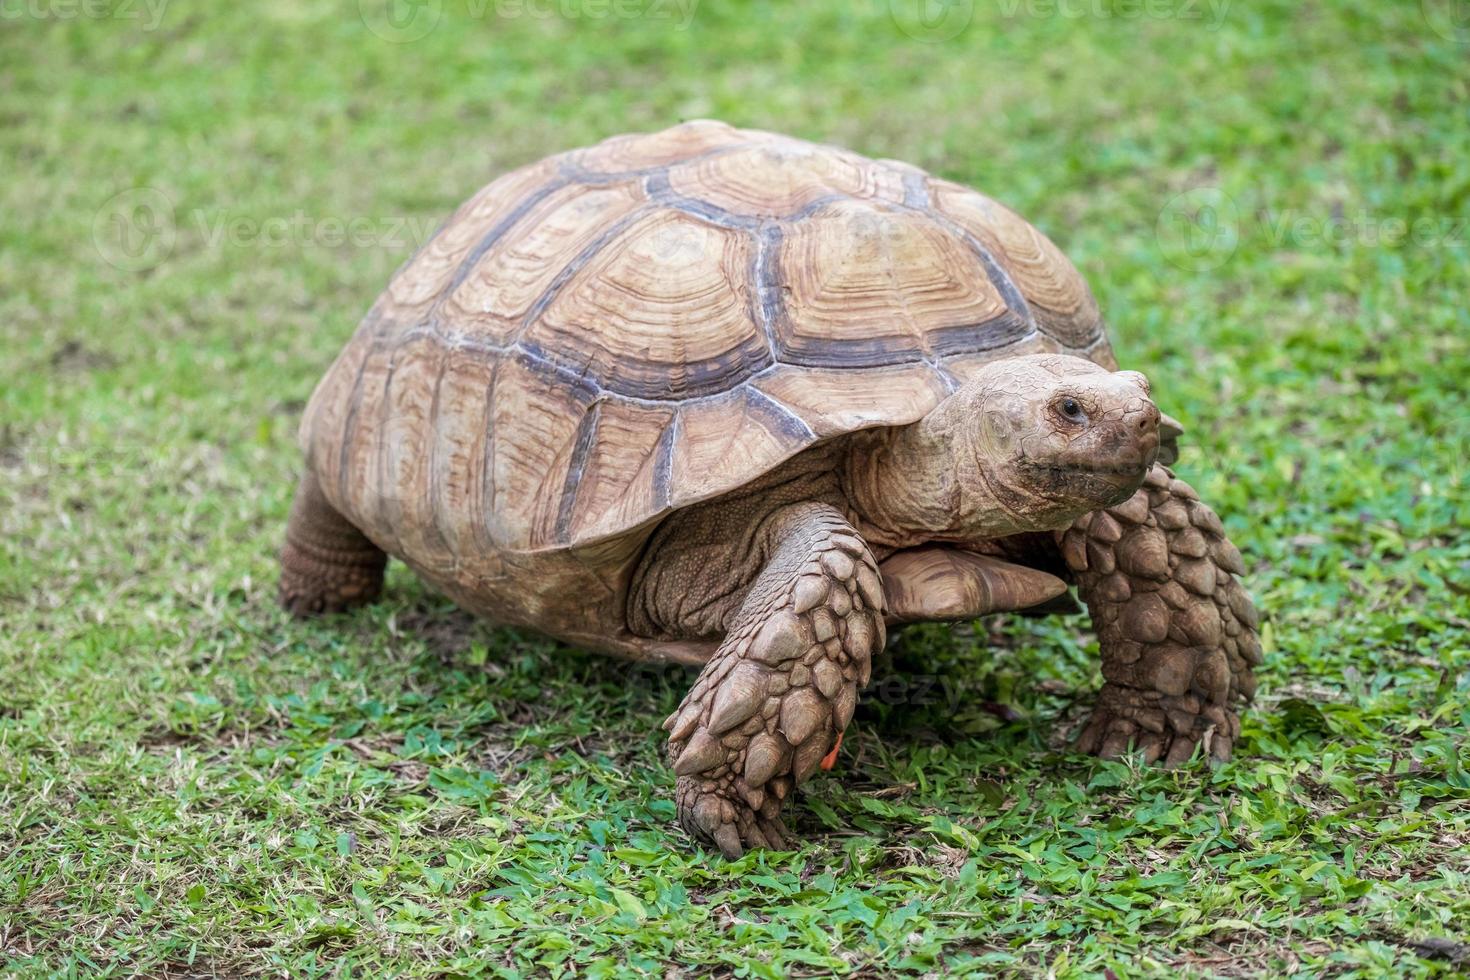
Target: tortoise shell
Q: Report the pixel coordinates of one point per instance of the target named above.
(594, 340)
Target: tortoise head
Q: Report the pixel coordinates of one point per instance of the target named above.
(1027, 444)
(1054, 436)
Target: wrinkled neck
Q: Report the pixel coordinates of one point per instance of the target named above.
(920, 483)
(942, 478)
(900, 496)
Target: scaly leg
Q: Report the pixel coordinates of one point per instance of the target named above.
(1177, 632)
(327, 564)
(777, 694)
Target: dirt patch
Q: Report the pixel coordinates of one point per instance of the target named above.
(74, 358)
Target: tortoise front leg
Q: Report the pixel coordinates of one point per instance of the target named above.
(774, 699)
(1177, 632)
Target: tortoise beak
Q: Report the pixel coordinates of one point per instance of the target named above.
(1137, 448)
(1143, 416)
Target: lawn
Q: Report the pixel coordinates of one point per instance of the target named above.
(199, 201)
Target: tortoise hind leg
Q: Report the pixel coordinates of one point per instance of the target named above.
(327, 564)
(771, 704)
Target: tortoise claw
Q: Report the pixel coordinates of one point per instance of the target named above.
(1167, 730)
(727, 838)
(731, 824)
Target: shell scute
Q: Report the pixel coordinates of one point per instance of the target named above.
(536, 418)
(633, 152)
(868, 284)
(833, 401)
(624, 472)
(425, 277)
(781, 178)
(723, 441)
(661, 312)
(505, 283)
(1058, 297)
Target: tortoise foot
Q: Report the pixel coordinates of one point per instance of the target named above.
(312, 587)
(327, 564)
(732, 814)
(1167, 729)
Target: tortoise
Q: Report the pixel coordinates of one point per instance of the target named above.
(731, 399)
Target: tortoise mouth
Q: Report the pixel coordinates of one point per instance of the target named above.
(1133, 461)
(1098, 484)
(1116, 469)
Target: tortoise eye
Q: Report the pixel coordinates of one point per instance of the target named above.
(1070, 410)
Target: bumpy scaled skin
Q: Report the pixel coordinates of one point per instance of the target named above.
(1178, 633)
(775, 698)
(327, 565)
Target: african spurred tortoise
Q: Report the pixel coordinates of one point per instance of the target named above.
(732, 399)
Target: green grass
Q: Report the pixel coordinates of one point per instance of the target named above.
(190, 783)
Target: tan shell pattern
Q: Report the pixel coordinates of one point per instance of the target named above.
(629, 328)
